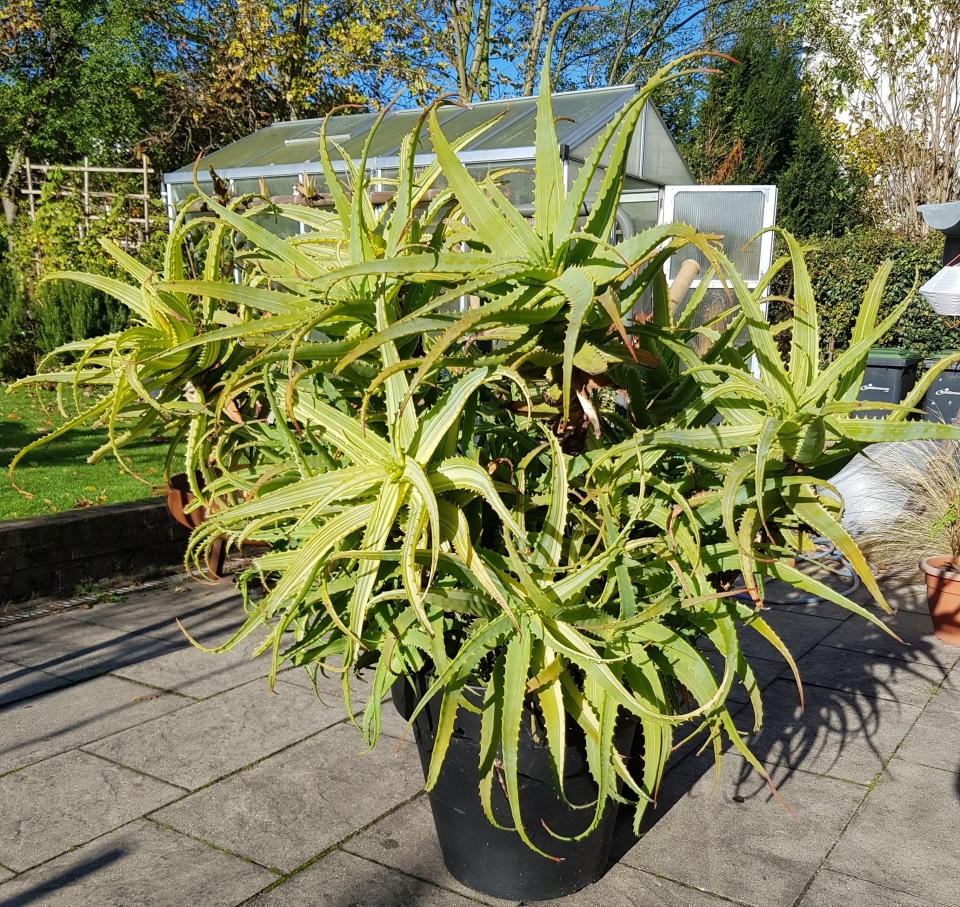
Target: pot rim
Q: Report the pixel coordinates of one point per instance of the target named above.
(939, 565)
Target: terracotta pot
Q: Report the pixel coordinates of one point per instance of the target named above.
(179, 496)
(943, 597)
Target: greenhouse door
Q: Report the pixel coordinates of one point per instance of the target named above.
(735, 213)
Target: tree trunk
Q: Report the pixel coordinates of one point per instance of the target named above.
(8, 190)
(540, 10)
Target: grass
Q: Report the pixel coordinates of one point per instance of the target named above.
(58, 476)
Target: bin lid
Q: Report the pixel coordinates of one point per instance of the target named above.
(934, 358)
(893, 358)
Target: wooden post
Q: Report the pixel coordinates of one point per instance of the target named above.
(33, 210)
(681, 283)
(86, 186)
(146, 198)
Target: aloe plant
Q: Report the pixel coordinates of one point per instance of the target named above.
(539, 495)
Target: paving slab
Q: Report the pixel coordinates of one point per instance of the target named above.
(623, 886)
(139, 864)
(843, 734)
(935, 739)
(75, 649)
(331, 692)
(765, 671)
(907, 834)
(827, 610)
(188, 670)
(407, 840)
(904, 591)
(343, 880)
(207, 740)
(953, 680)
(799, 632)
(834, 889)
(916, 631)
(743, 719)
(871, 675)
(5, 874)
(18, 682)
(296, 804)
(747, 849)
(205, 610)
(780, 596)
(54, 722)
(68, 800)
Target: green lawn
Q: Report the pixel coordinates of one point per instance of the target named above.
(58, 476)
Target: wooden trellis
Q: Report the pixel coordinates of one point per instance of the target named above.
(95, 200)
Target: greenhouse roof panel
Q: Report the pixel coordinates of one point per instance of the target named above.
(573, 111)
(580, 116)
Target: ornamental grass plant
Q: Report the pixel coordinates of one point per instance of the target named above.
(469, 455)
(923, 491)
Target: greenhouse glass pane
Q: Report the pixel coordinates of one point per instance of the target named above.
(276, 185)
(304, 146)
(643, 214)
(339, 127)
(280, 226)
(517, 133)
(240, 153)
(582, 106)
(300, 153)
(180, 191)
(660, 160)
(516, 186)
(468, 120)
(570, 109)
(737, 216)
(389, 135)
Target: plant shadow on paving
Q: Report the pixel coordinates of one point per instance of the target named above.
(126, 647)
(70, 875)
(848, 713)
(36, 683)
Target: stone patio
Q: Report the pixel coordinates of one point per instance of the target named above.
(137, 771)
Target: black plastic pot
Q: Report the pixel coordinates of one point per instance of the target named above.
(497, 862)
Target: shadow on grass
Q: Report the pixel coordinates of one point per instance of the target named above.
(13, 435)
(70, 449)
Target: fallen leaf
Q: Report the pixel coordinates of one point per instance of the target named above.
(144, 698)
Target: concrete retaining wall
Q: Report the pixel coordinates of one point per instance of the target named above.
(51, 555)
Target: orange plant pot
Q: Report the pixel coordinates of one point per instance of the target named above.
(179, 496)
(943, 597)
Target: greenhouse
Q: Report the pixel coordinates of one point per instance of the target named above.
(284, 160)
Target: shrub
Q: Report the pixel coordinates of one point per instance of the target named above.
(841, 268)
(64, 311)
(16, 331)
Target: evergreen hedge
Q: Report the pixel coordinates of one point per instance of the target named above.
(843, 266)
(56, 313)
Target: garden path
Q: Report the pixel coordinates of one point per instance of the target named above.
(137, 771)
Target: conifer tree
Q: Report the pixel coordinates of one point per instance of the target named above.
(758, 123)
